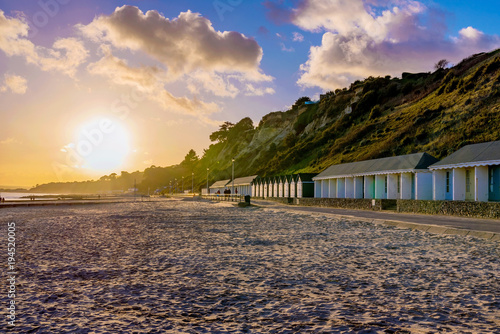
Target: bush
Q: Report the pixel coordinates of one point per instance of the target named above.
(375, 112)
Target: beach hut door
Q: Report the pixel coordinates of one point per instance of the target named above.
(494, 184)
(469, 185)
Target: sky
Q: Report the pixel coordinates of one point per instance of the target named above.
(88, 88)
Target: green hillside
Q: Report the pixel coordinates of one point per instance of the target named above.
(437, 113)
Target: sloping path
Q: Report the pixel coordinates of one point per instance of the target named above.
(430, 223)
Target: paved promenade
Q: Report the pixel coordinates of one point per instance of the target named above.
(484, 228)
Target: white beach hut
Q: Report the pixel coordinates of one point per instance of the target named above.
(470, 174)
(244, 184)
(219, 186)
(400, 177)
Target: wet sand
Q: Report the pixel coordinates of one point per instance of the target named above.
(196, 267)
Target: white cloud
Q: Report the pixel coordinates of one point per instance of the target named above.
(251, 90)
(185, 44)
(9, 141)
(284, 48)
(367, 37)
(149, 80)
(15, 83)
(186, 48)
(65, 56)
(298, 37)
(471, 33)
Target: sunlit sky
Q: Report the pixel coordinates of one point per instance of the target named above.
(92, 87)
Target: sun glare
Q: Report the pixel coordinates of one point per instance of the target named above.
(103, 144)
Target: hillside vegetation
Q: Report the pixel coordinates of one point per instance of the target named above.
(437, 113)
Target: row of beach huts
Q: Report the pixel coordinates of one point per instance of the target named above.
(469, 174)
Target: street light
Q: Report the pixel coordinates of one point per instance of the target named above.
(183, 184)
(192, 183)
(232, 191)
(208, 192)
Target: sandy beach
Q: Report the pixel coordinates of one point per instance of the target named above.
(181, 266)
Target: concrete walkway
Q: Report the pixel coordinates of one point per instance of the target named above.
(483, 228)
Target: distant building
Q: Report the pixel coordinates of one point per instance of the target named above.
(219, 186)
(401, 177)
(244, 184)
(472, 174)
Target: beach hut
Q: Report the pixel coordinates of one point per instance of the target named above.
(219, 186)
(256, 187)
(276, 182)
(266, 188)
(293, 186)
(304, 184)
(470, 174)
(286, 186)
(400, 177)
(244, 184)
(281, 186)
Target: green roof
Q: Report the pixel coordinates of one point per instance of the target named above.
(408, 162)
(474, 154)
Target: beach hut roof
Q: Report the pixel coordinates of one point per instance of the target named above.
(220, 184)
(304, 177)
(242, 181)
(482, 154)
(410, 162)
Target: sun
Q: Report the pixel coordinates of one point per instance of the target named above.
(103, 144)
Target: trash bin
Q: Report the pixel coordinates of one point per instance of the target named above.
(247, 199)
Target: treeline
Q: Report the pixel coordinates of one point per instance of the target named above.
(106, 183)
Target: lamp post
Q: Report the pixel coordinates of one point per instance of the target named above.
(232, 190)
(207, 181)
(183, 184)
(192, 183)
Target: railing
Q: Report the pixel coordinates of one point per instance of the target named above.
(222, 197)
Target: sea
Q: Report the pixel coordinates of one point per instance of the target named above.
(18, 196)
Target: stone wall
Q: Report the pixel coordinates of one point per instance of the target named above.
(284, 200)
(455, 208)
(342, 203)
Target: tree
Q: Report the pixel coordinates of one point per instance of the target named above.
(301, 101)
(190, 159)
(442, 64)
(222, 134)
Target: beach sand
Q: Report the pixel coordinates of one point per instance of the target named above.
(179, 266)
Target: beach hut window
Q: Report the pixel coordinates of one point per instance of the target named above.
(385, 181)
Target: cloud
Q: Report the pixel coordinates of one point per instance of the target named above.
(251, 90)
(9, 141)
(149, 80)
(185, 44)
(65, 55)
(376, 37)
(15, 83)
(284, 48)
(187, 48)
(298, 37)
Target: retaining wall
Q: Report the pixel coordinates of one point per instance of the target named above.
(455, 208)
